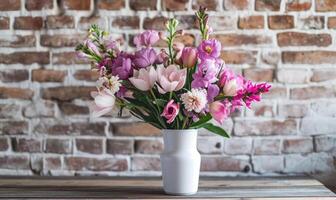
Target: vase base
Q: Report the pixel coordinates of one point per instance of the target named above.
(180, 193)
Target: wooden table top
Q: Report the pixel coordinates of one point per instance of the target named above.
(266, 188)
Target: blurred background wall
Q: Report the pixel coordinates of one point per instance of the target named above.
(44, 90)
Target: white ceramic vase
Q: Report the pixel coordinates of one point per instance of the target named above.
(180, 162)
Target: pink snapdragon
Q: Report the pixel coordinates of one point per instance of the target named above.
(251, 92)
(170, 111)
(171, 78)
(147, 38)
(209, 49)
(144, 79)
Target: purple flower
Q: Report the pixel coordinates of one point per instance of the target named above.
(206, 74)
(122, 66)
(147, 38)
(144, 57)
(209, 49)
(213, 91)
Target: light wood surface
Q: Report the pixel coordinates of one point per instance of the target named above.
(266, 188)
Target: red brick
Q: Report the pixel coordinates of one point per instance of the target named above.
(267, 5)
(17, 41)
(224, 164)
(86, 75)
(39, 109)
(243, 39)
(281, 22)
(311, 92)
(266, 146)
(331, 23)
(16, 75)
(309, 57)
(39, 4)
(111, 4)
(143, 4)
(220, 23)
(210, 145)
(261, 109)
(209, 4)
(259, 75)
(187, 22)
(303, 39)
(237, 4)
(9, 5)
(311, 22)
(14, 162)
(148, 146)
(156, 23)
(236, 146)
(52, 163)
(16, 93)
(174, 5)
(67, 58)
(26, 145)
(4, 22)
(146, 164)
(276, 92)
(73, 109)
(67, 93)
(48, 75)
(251, 22)
(265, 127)
(93, 146)
(117, 146)
(62, 146)
(292, 110)
(96, 164)
(134, 129)
(14, 127)
(320, 75)
(85, 22)
(61, 40)
(126, 22)
(76, 5)
(262, 164)
(239, 57)
(25, 58)
(10, 110)
(298, 145)
(325, 5)
(298, 5)
(186, 39)
(4, 144)
(56, 22)
(28, 23)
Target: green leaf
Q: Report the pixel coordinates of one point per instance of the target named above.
(201, 121)
(216, 129)
(161, 102)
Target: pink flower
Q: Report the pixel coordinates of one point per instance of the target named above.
(209, 49)
(122, 66)
(144, 79)
(194, 100)
(171, 78)
(170, 111)
(219, 111)
(92, 47)
(144, 57)
(230, 82)
(189, 57)
(147, 38)
(104, 101)
(178, 47)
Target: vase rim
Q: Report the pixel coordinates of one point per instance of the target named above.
(178, 130)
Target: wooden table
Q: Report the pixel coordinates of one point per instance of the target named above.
(284, 188)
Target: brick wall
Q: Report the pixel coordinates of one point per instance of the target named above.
(44, 89)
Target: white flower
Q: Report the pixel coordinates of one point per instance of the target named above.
(103, 102)
(113, 83)
(194, 100)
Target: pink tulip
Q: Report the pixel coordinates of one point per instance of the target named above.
(144, 79)
(230, 88)
(170, 111)
(104, 101)
(171, 78)
(219, 111)
(189, 57)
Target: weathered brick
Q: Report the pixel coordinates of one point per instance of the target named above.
(117, 146)
(265, 127)
(126, 22)
(93, 146)
(52, 163)
(237, 4)
(73, 109)
(210, 145)
(311, 22)
(30, 145)
(331, 23)
(10, 5)
(146, 164)
(85, 22)
(67, 58)
(14, 162)
(221, 163)
(10, 110)
(318, 125)
(148, 146)
(86, 75)
(25, 58)
(266, 5)
(303, 39)
(17, 41)
(28, 23)
(243, 39)
(298, 5)
(68, 93)
(4, 146)
(251, 22)
(16, 93)
(16, 75)
(48, 75)
(276, 92)
(325, 5)
(262, 164)
(261, 109)
(61, 146)
(270, 57)
(236, 146)
(143, 5)
(239, 57)
(187, 22)
(186, 39)
(96, 164)
(110, 4)
(39, 109)
(309, 57)
(298, 145)
(63, 21)
(320, 75)
(292, 76)
(155, 23)
(292, 110)
(281, 22)
(39, 4)
(4, 22)
(134, 129)
(311, 163)
(259, 75)
(311, 92)
(209, 4)
(61, 40)
(175, 5)
(325, 143)
(221, 23)
(266, 146)
(76, 5)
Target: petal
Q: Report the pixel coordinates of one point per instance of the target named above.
(104, 101)
(96, 111)
(140, 84)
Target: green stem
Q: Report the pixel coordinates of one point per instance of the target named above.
(152, 93)
(170, 95)
(184, 122)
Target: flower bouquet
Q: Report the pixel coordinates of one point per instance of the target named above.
(177, 89)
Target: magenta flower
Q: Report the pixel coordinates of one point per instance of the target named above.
(147, 38)
(209, 49)
(122, 66)
(144, 58)
(251, 92)
(170, 111)
(189, 57)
